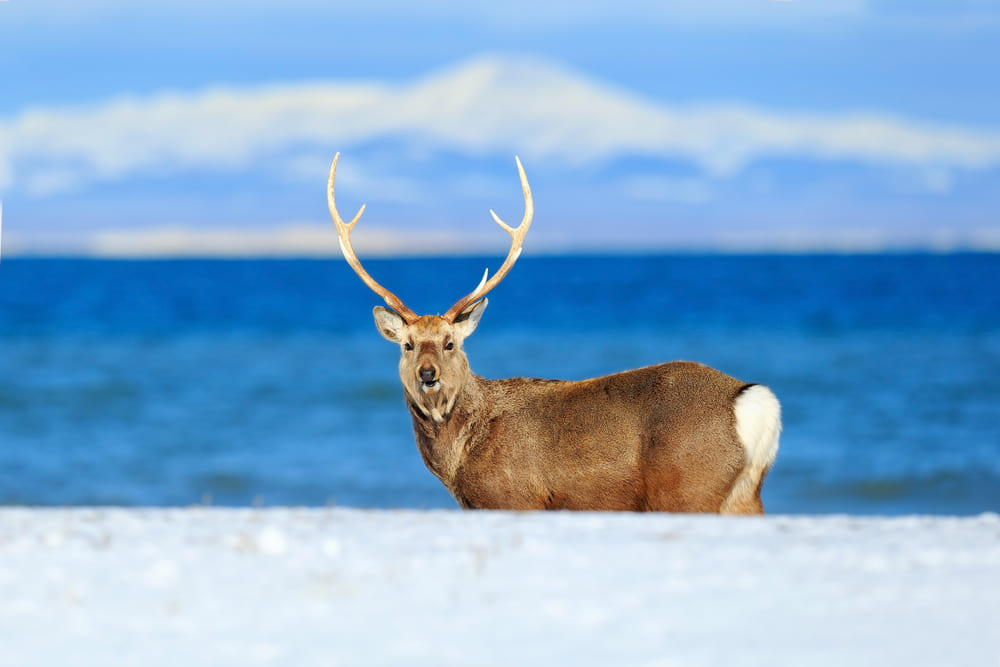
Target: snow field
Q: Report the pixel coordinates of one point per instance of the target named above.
(338, 586)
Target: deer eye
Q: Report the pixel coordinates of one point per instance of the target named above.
(408, 346)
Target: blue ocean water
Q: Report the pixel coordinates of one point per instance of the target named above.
(264, 381)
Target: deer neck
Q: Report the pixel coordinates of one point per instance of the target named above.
(443, 430)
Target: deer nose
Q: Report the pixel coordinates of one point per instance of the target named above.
(428, 375)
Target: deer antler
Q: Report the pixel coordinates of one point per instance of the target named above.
(344, 234)
(517, 238)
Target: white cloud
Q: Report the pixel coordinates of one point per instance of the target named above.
(320, 240)
(289, 240)
(487, 104)
(306, 240)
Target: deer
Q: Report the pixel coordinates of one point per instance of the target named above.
(675, 437)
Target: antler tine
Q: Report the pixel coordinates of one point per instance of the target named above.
(344, 234)
(517, 238)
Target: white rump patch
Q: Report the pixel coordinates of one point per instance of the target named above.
(758, 424)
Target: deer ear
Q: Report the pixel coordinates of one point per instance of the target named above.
(467, 321)
(389, 323)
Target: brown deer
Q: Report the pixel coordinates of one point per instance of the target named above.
(676, 437)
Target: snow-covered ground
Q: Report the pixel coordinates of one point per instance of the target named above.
(352, 587)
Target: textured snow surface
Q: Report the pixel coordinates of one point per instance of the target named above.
(353, 587)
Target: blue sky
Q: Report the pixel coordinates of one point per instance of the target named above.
(191, 127)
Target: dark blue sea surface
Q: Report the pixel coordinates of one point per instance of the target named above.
(265, 382)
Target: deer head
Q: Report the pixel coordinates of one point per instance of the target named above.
(433, 367)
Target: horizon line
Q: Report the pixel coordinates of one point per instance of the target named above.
(320, 241)
(473, 253)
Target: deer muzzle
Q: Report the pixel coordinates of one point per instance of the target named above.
(429, 379)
